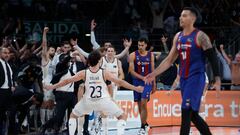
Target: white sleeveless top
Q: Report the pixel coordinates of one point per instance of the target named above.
(95, 86)
(111, 67)
(47, 72)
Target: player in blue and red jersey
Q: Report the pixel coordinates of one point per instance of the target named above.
(192, 46)
(141, 63)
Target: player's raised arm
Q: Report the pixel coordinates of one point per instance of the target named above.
(127, 44)
(92, 35)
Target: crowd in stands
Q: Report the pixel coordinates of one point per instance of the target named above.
(155, 20)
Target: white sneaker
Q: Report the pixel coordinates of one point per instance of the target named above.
(141, 132)
(190, 132)
(147, 128)
(97, 125)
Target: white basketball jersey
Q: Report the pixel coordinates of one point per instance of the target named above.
(47, 72)
(95, 86)
(111, 67)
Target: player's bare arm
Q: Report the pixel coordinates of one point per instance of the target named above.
(79, 76)
(120, 70)
(45, 58)
(119, 82)
(204, 41)
(127, 44)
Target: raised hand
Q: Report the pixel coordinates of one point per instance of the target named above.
(127, 43)
(93, 25)
(59, 50)
(73, 42)
(221, 46)
(164, 39)
(46, 29)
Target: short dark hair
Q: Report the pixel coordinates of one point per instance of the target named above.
(64, 42)
(143, 39)
(192, 10)
(94, 58)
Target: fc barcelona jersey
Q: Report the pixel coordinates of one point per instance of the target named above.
(192, 59)
(142, 64)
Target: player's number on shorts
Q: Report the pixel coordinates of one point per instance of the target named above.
(184, 55)
(96, 91)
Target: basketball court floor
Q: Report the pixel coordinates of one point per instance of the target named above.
(174, 130)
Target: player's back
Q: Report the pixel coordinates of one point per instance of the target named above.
(95, 86)
(192, 59)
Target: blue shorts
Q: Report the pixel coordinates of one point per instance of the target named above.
(146, 92)
(192, 90)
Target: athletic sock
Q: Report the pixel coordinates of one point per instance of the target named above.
(105, 125)
(200, 124)
(186, 121)
(143, 126)
(121, 127)
(72, 125)
(86, 122)
(80, 124)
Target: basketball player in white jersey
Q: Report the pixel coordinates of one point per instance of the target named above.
(46, 111)
(114, 66)
(96, 96)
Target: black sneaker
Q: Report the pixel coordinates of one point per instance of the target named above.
(42, 130)
(86, 132)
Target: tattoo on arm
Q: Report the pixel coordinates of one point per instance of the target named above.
(204, 41)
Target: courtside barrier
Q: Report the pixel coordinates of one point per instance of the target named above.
(165, 110)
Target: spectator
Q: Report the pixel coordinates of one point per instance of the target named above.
(226, 72)
(6, 84)
(235, 15)
(23, 96)
(46, 111)
(158, 10)
(235, 69)
(168, 77)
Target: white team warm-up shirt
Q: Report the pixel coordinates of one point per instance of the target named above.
(111, 67)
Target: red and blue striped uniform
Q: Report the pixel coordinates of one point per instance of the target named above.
(142, 66)
(191, 70)
(192, 59)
